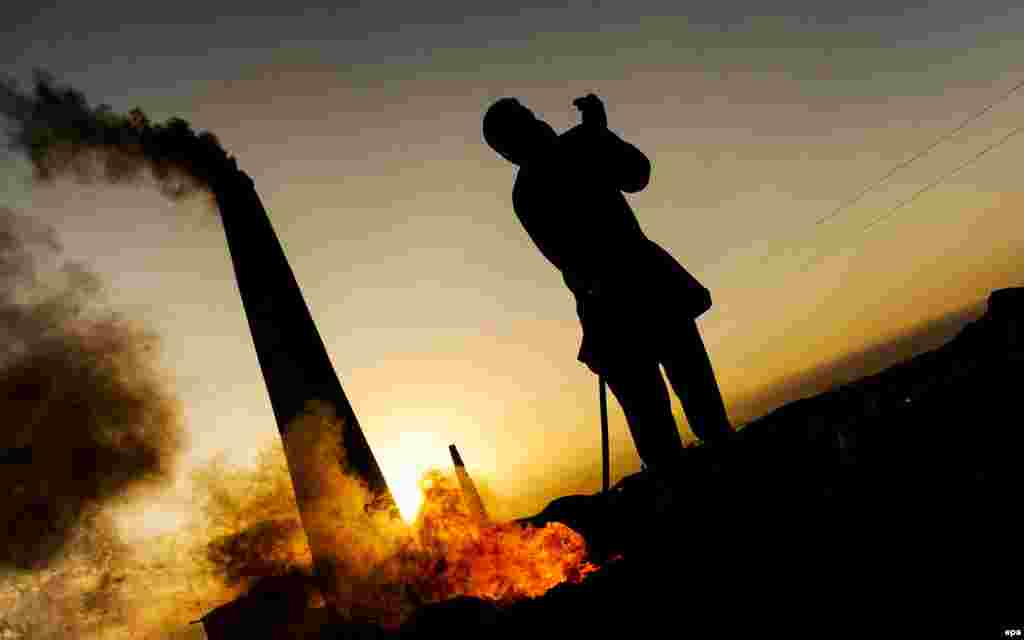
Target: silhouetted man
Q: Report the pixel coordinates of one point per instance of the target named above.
(636, 303)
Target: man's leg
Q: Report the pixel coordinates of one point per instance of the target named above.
(642, 393)
(689, 371)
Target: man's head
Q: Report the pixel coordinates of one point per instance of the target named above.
(514, 132)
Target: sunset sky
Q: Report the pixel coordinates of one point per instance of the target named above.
(361, 128)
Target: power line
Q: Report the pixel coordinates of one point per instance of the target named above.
(945, 177)
(819, 255)
(917, 156)
(920, 154)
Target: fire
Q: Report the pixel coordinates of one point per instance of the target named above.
(502, 562)
(452, 553)
(375, 568)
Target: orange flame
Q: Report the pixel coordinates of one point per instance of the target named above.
(502, 562)
(373, 568)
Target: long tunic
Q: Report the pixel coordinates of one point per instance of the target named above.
(629, 291)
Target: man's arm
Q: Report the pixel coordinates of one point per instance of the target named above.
(630, 168)
(615, 159)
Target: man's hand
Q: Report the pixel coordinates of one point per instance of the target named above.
(593, 110)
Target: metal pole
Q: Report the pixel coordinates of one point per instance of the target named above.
(605, 465)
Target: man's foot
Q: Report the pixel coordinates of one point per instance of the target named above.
(712, 454)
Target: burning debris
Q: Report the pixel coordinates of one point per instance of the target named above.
(502, 562)
(379, 575)
(381, 570)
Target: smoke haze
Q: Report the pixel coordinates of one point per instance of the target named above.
(82, 394)
(94, 423)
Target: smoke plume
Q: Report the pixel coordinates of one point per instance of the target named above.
(63, 135)
(85, 407)
(251, 520)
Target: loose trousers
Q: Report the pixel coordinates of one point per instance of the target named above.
(640, 389)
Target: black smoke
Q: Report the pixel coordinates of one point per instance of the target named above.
(87, 416)
(62, 134)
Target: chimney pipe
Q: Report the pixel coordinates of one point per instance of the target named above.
(472, 497)
(294, 362)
